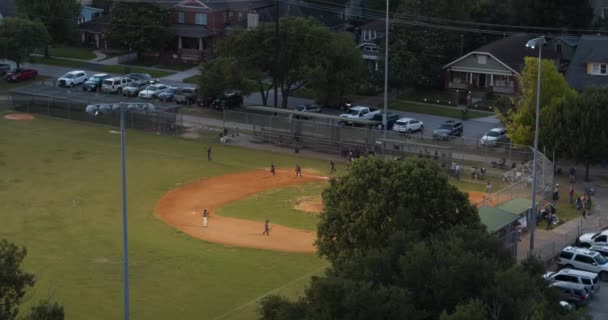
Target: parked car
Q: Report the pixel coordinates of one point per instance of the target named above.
(408, 125)
(572, 292)
(588, 279)
(115, 85)
(448, 129)
(72, 78)
(167, 94)
(228, 101)
(593, 239)
(358, 113)
(584, 259)
(494, 137)
(602, 249)
(142, 77)
(94, 82)
(21, 74)
(308, 108)
(186, 96)
(4, 68)
(151, 91)
(391, 118)
(133, 88)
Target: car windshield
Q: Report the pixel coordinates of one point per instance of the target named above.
(108, 82)
(446, 126)
(401, 122)
(596, 235)
(152, 88)
(353, 112)
(492, 134)
(95, 79)
(170, 90)
(600, 259)
(69, 76)
(301, 108)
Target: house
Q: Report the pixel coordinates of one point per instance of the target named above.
(87, 13)
(95, 31)
(369, 37)
(564, 48)
(491, 69)
(589, 66)
(199, 24)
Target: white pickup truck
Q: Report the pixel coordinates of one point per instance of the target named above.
(359, 113)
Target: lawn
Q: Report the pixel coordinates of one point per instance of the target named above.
(59, 185)
(69, 52)
(115, 69)
(5, 86)
(192, 79)
(451, 112)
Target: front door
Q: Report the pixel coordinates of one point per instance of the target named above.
(481, 80)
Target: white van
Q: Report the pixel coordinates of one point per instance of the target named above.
(588, 279)
(115, 85)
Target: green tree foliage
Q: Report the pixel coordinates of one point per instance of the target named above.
(14, 282)
(405, 244)
(58, 16)
(46, 310)
(151, 32)
(223, 74)
(19, 37)
(520, 121)
(551, 13)
(575, 127)
(336, 76)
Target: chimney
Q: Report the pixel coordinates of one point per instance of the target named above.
(253, 19)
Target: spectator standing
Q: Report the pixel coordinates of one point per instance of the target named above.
(556, 195)
(571, 194)
(572, 175)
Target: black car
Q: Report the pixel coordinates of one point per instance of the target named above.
(448, 129)
(186, 96)
(228, 101)
(94, 82)
(4, 68)
(142, 77)
(391, 118)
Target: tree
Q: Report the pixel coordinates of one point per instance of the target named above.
(222, 74)
(14, 282)
(551, 13)
(46, 310)
(405, 244)
(338, 74)
(520, 121)
(575, 127)
(19, 37)
(58, 16)
(152, 33)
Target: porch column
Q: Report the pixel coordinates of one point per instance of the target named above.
(470, 75)
(179, 42)
(97, 41)
(491, 80)
(83, 37)
(200, 44)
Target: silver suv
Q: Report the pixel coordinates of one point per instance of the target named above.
(572, 292)
(584, 259)
(589, 279)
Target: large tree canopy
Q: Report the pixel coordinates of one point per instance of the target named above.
(575, 127)
(58, 16)
(19, 37)
(405, 244)
(141, 27)
(520, 121)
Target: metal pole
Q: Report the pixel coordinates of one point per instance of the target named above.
(533, 213)
(385, 115)
(223, 117)
(276, 54)
(125, 238)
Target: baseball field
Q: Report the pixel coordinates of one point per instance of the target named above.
(60, 196)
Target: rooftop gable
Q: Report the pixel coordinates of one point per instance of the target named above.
(590, 49)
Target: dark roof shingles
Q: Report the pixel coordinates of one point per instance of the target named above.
(590, 48)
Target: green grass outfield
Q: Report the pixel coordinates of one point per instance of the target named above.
(60, 197)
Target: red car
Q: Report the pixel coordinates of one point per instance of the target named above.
(21, 74)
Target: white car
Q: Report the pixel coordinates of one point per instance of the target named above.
(593, 239)
(589, 279)
(151, 91)
(584, 259)
(494, 137)
(408, 125)
(72, 78)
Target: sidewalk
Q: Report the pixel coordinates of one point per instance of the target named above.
(180, 76)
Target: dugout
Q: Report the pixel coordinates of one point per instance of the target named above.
(519, 207)
(400, 149)
(70, 103)
(501, 223)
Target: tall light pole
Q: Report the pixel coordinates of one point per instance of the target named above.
(123, 108)
(537, 42)
(385, 114)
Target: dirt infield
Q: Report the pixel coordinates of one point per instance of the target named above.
(19, 116)
(182, 208)
(481, 199)
(310, 204)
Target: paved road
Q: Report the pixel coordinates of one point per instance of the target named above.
(472, 128)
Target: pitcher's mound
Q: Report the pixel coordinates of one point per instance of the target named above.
(19, 117)
(310, 204)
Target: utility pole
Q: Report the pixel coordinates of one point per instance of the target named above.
(276, 54)
(385, 114)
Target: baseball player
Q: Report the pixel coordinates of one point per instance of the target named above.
(205, 216)
(298, 171)
(272, 168)
(266, 228)
(332, 166)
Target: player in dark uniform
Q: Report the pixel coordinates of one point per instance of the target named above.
(266, 228)
(298, 170)
(272, 168)
(332, 166)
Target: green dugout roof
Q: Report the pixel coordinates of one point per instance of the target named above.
(517, 205)
(495, 219)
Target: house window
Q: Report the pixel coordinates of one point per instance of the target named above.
(375, 35)
(598, 69)
(180, 17)
(602, 68)
(201, 19)
(481, 59)
(365, 34)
